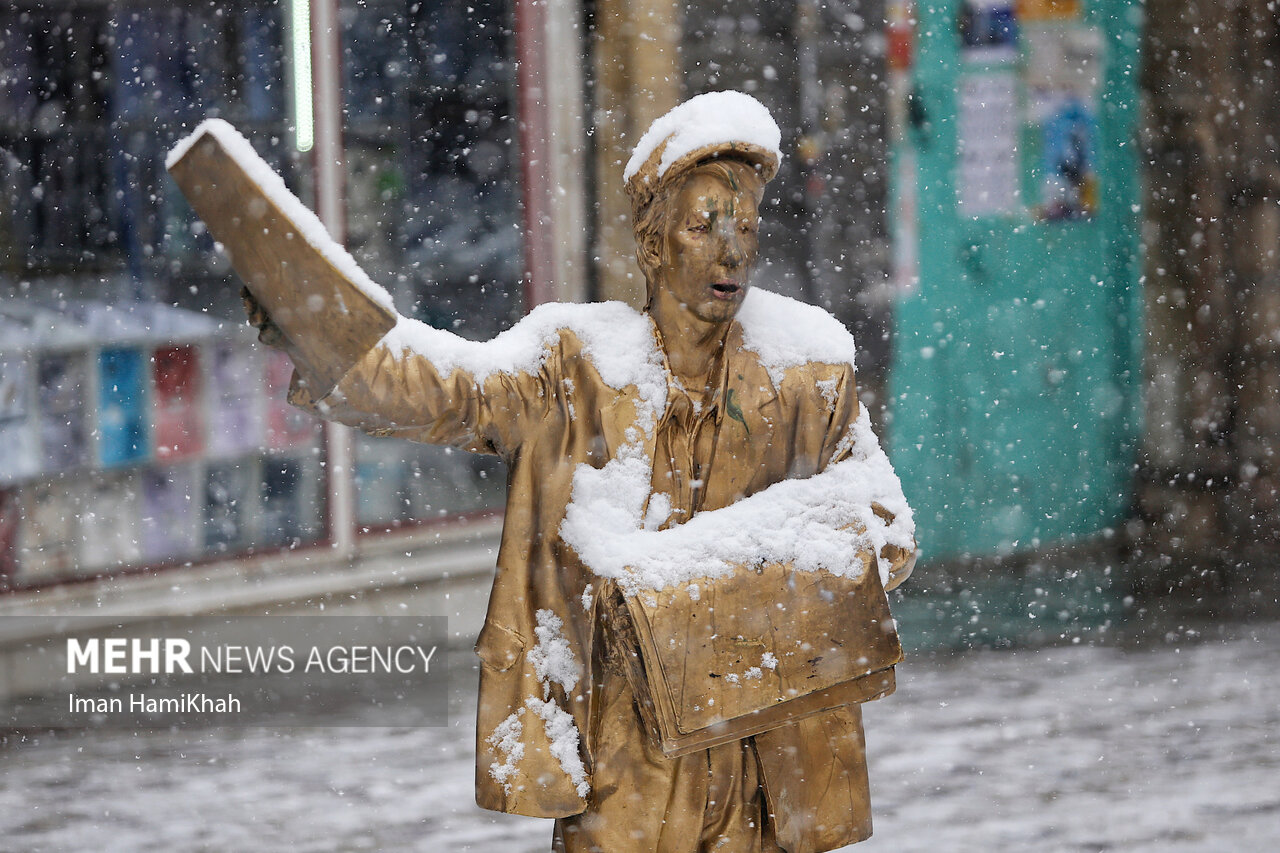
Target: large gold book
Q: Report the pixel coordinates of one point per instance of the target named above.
(329, 311)
(726, 658)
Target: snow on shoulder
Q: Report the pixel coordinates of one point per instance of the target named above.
(615, 338)
(786, 333)
(710, 119)
(825, 522)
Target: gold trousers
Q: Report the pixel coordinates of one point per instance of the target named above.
(642, 801)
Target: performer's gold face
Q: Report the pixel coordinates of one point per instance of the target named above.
(711, 248)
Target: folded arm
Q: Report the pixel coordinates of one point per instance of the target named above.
(849, 517)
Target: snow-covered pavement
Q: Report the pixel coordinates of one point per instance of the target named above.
(1172, 745)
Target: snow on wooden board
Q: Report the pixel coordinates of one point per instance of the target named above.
(330, 311)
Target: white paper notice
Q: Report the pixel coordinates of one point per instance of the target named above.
(987, 134)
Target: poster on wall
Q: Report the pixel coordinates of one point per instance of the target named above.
(235, 390)
(176, 409)
(122, 413)
(988, 30)
(49, 532)
(1027, 110)
(1063, 77)
(287, 426)
(17, 435)
(109, 535)
(230, 492)
(987, 138)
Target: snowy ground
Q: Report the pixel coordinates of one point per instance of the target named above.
(1168, 745)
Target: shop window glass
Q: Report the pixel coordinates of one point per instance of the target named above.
(148, 420)
(433, 212)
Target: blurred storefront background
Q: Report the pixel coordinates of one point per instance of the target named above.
(143, 428)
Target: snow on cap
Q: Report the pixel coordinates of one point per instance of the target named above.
(704, 126)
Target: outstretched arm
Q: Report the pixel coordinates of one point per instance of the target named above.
(410, 384)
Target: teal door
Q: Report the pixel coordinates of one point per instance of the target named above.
(1014, 387)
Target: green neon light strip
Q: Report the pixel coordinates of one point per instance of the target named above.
(303, 109)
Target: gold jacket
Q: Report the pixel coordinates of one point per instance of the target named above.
(544, 422)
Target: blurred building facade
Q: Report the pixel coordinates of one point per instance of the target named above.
(147, 430)
(1210, 494)
(143, 431)
(479, 150)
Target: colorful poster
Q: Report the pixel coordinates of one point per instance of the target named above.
(1063, 79)
(235, 394)
(176, 393)
(109, 534)
(987, 132)
(988, 30)
(61, 390)
(20, 458)
(169, 517)
(1069, 186)
(122, 411)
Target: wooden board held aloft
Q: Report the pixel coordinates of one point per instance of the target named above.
(328, 319)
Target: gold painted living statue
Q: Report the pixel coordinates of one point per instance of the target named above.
(689, 600)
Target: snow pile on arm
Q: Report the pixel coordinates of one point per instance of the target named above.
(309, 225)
(822, 522)
(710, 119)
